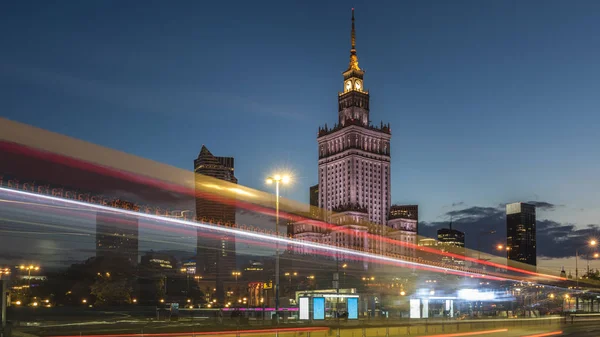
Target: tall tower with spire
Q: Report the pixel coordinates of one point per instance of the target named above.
(354, 100)
(354, 155)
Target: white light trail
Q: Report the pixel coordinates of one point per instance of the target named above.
(249, 234)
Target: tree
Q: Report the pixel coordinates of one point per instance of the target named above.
(111, 292)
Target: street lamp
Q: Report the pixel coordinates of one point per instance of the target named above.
(236, 274)
(29, 269)
(277, 179)
(5, 271)
(592, 243)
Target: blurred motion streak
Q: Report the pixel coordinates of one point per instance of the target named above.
(473, 333)
(25, 140)
(553, 333)
(257, 235)
(222, 187)
(213, 333)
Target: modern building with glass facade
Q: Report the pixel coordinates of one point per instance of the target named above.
(521, 233)
(216, 257)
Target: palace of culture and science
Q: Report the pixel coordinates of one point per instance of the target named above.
(354, 189)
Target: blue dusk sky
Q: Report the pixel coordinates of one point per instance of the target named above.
(489, 101)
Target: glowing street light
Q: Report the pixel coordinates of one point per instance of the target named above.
(591, 243)
(5, 271)
(285, 179)
(29, 268)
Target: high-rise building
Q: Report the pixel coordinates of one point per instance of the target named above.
(354, 155)
(452, 241)
(450, 237)
(216, 258)
(117, 235)
(521, 233)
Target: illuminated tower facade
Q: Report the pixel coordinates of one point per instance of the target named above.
(354, 155)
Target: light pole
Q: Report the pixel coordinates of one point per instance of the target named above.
(289, 275)
(236, 274)
(29, 269)
(277, 179)
(592, 243)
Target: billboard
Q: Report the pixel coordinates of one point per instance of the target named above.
(318, 308)
(303, 306)
(415, 308)
(353, 308)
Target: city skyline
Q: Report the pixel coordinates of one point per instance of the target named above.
(441, 173)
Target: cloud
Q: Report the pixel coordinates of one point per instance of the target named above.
(545, 206)
(475, 212)
(554, 239)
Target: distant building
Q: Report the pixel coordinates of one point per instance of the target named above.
(216, 258)
(159, 262)
(117, 235)
(521, 233)
(404, 211)
(403, 230)
(451, 241)
(314, 195)
(451, 237)
(428, 242)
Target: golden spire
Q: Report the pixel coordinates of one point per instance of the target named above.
(353, 57)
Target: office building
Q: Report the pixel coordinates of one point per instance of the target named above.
(450, 237)
(216, 258)
(521, 233)
(451, 241)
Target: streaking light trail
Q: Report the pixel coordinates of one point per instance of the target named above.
(211, 333)
(215, 185)
(253, 235)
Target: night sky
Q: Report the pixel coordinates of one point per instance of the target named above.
(489, 102)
